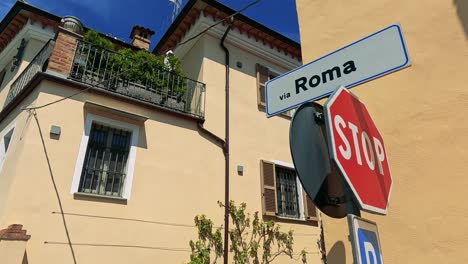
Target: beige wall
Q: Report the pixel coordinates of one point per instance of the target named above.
(420, 112)
(178, 172)
(13, 252)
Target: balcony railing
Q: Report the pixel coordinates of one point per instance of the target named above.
(39, 63)
(104, 69)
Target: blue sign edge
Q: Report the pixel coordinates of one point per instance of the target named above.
(405, 64)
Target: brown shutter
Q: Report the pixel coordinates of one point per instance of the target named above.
(309, 208)
(262, 78)
(2, 76)
(268, 176)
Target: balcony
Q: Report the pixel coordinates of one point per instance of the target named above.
(103, 69)
(37, 64)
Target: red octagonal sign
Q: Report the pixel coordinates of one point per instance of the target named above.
(358, 150)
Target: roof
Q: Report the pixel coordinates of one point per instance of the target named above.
(17, 17)
(194, 8)
(19, 14)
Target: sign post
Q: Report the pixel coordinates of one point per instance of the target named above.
(358, 150)
(365, 241)
(378, 54)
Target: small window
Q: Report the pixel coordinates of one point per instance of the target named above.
(106, 158)
(105, 165)
(283, 195)
(5, 145)
(264, 75)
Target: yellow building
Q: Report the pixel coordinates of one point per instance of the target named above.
(420, 113)
(96, 168)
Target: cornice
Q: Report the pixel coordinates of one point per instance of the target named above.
(30, 31)
(239, 40)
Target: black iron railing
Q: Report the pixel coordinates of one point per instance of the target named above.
(109, 70)
(38, 64)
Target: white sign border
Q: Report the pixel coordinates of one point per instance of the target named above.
(354, 240)
(407, 63)
(367, 208)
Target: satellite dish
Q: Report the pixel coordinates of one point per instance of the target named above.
(317, 173)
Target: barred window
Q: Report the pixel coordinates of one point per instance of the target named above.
(286, 190)
(105, 164)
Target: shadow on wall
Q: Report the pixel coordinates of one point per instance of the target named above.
(462, 11)
(337, 254)
(25, 258)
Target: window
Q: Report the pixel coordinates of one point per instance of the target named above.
(4, 145)
(106, 159)
(286, 192)
(264, 75)
(283, 195)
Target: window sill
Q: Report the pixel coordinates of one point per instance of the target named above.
(284, 219)
(99, 198)
(291, 218)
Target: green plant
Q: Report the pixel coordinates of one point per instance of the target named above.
(95, 38)
(151, 71)
(161, 73)
(251, 240)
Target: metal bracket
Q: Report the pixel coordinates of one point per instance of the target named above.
(336, 201)
(319, 119)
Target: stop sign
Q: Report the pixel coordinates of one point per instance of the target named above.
(358, 150)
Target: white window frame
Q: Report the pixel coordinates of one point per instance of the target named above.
(300, 195)
(3, 151)
(134, 129)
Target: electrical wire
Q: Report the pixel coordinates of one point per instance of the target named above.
(84, 90)
(32, 110)
(142, 64)
(118, 245)
(54, 184)
(217, 23)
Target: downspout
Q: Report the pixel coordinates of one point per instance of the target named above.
(224, 144)
(226, 148)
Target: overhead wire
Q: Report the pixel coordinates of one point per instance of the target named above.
(52, 177)
(32, 111)
(141, 64)
(217, 23)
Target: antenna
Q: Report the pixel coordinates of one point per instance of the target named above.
(177, 4)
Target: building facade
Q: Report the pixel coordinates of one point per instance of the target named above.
(97, 168)
(419, 112)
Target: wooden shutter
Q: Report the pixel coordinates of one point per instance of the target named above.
(310, 211)
(2, 76)
(268, 176)
(262, 78)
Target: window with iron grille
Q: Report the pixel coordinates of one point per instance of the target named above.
(286, 192)
(105, 164)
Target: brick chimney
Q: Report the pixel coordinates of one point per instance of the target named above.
(141, 37)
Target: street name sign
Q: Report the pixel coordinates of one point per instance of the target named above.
(358, 150)
(365, 241)
(373, 56)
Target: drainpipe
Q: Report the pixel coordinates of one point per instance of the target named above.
(226, 149)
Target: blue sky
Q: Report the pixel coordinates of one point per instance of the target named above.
(116, 17)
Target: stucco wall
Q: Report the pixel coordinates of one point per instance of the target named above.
(420, 114)
(178, 174)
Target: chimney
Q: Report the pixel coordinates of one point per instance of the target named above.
(141, 37)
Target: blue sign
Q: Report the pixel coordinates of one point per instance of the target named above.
(368, 247)
(365, 241)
